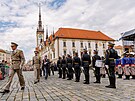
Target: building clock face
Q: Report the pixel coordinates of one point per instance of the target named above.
(40, 36)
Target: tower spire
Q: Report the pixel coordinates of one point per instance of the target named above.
(40, 22)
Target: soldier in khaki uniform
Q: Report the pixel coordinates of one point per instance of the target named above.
(18, 61)
(37, 64)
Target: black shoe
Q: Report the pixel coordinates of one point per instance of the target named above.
(5, 91)
(86, 83)
(63, 78)
(35, 82)
(22, 88)
(96, 82)
(68, 79)
(109, 86)
(38, 81)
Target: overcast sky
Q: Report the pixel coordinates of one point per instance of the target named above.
(19, 19)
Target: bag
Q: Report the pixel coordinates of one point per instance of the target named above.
(99, 63)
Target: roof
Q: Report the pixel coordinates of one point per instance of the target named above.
(2, 51)
(129, 35)
(82, 34)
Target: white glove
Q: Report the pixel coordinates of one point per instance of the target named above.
(107, 66)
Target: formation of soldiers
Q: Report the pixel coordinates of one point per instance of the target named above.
(68, 65)
(126, 66)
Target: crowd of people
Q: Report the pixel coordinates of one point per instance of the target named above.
(68, 66)
(112, 65)
(4, 69)
(126, 66)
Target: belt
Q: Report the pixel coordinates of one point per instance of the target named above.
(68, 63)
(85, 61)
(76, 63)
(16, 60)
(111, 58)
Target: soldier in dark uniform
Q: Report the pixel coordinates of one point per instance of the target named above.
(111, 55)
(97, 69)
(59, 67)
(86, 61)
(46, 63)
(69, 67)
(64, 64)
(77, 68)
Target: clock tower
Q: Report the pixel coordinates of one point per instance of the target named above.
(40, 30)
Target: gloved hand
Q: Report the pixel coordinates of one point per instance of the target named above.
(107, 66)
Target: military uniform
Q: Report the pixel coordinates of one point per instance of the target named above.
(86, 61)
(111, 55)
(69, 67)
(59, 68)
(132, 67)
(119, 68)
(125, 63)
(18, 61)
(97, 69)
(64, 64)
(77, 68)
(46, 63)
(37, 65)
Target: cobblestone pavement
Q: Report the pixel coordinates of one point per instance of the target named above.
(55, 89)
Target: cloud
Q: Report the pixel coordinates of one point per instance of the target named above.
(19, 18)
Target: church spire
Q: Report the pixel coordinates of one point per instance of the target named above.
(40, 21)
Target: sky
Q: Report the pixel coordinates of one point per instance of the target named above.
(19, 19)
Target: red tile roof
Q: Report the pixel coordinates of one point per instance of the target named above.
(81, 34)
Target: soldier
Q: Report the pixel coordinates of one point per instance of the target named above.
(18, 61)
(69, 67)
(46, 63)
(119, 67)
(125, 63)
(77, 68)
(64, 62)
(132, 66)
(97, 69)
(36, 64)
(59, 67)
(86, 61)
(102, 69)
(111, 55)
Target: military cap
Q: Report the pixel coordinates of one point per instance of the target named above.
(96, 51)
(84, 49)
(36, 51)
(111, 44)
(13, 43)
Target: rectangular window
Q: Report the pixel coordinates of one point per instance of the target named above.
(96, 46)
(64, 44)
(89, 45)
(65, 52)
(73, 44)
(73, 52)
(81, 44)
(103, 45)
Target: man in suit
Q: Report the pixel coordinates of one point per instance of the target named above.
(18, 60)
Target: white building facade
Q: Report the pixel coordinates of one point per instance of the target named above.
(63, 44)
